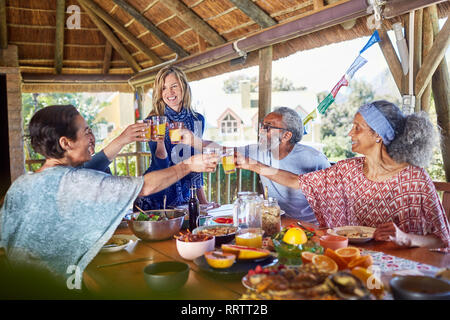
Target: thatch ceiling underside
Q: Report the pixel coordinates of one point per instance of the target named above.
(32, 27)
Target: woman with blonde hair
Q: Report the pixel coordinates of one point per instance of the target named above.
(172, 99)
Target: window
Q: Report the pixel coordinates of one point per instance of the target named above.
(229, 125)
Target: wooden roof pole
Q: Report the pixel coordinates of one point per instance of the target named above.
(441, 90)
(391, 58)
(427, 32)
(433, 59)
(152, 28)
(59, 34)
(254, 12)
(417, 58)
(195, 22)
(3, 27)
(109, 35)
(120, 29)
(107, 57)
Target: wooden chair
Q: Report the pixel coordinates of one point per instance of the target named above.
(445, 187)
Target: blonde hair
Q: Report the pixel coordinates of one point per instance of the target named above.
(158, 102)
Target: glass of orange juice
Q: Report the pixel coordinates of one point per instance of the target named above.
(214, 151)
(174, 132)
(249, 237)
(148, 132)
(159, 122)
(228, 161)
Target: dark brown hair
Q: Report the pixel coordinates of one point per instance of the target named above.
(48, 125)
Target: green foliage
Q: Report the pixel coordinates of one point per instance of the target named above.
(231, 85)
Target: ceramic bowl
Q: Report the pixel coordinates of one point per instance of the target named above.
(419, 288)
(333, 242)
(192, 250)
(166, 275)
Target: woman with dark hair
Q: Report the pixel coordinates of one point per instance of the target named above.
(60, 216)
(387, 188)
(172, 99)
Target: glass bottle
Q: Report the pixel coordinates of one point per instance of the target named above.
(271, 218)
(194, 209)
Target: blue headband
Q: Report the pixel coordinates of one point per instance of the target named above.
(377, 121)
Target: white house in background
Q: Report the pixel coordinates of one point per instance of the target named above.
(232, 119)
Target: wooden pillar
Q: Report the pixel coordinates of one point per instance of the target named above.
(441, 93)
(391, 58)
(405, 77)
(265, 82)
(427, 36)
(140, 161)
(417, 61)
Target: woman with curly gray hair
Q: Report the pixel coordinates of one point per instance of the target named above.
(387, 188)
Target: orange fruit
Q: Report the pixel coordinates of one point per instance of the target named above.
(339, 261)
(348, 254)
(373, 284)
(325, 264)
(307, 256)
(362, 261)
(295, 236)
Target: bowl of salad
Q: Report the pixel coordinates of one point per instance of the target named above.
(153, 225)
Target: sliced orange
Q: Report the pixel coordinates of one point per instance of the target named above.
(339, 261)
(348, 254)
(307, 256)
(371, 282)
(362, 261)
(325, 264)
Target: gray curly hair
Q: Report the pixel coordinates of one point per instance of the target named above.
(415, 136)
(292, 121)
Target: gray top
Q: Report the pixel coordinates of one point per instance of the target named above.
(302, 159)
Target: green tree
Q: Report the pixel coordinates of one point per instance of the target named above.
(231, 85)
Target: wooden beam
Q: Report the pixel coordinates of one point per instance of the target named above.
(433, 59)
(391, 58)
(152, 28)
(59, 34)
(427, 36)
(395, 8)
(201, 43)
(3, 26)
(118, 27)
(417, 58)
(107, 57)
(74, 78)
(195, 22)
(255, 13)
(109, 35)
(265, 82)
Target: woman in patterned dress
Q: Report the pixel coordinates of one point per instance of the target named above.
(387, 188)
(172, 98)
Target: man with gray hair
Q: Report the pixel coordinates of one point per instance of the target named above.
(279, 135)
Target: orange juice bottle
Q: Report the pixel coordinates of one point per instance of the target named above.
(249, 239)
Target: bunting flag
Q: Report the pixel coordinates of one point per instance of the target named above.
(344, 81)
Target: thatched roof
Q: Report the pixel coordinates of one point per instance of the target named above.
(188, 27)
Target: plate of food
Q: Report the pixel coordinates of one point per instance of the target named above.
(355, 234)
(116, 243)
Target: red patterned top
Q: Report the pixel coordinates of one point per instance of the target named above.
(342, 195)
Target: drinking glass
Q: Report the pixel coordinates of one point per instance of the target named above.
(175, 132)
(214, 151)
(159, 123)
(228, 161)
(148, 132)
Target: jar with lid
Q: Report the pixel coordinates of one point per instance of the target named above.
(271, 217)
(247, 217)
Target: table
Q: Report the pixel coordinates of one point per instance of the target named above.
(126, 281)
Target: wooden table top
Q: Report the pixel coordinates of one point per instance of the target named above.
(126, 281)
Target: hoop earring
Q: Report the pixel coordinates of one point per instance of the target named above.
(378, 140)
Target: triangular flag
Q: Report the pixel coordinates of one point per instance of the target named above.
(373, 39)
(341, 83)
(358, 63)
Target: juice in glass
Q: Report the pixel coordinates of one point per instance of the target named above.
(249, 238)
(159, 125)
(148, 132)
(175, 132)
(228, 161)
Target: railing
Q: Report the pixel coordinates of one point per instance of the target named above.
(219, 187)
